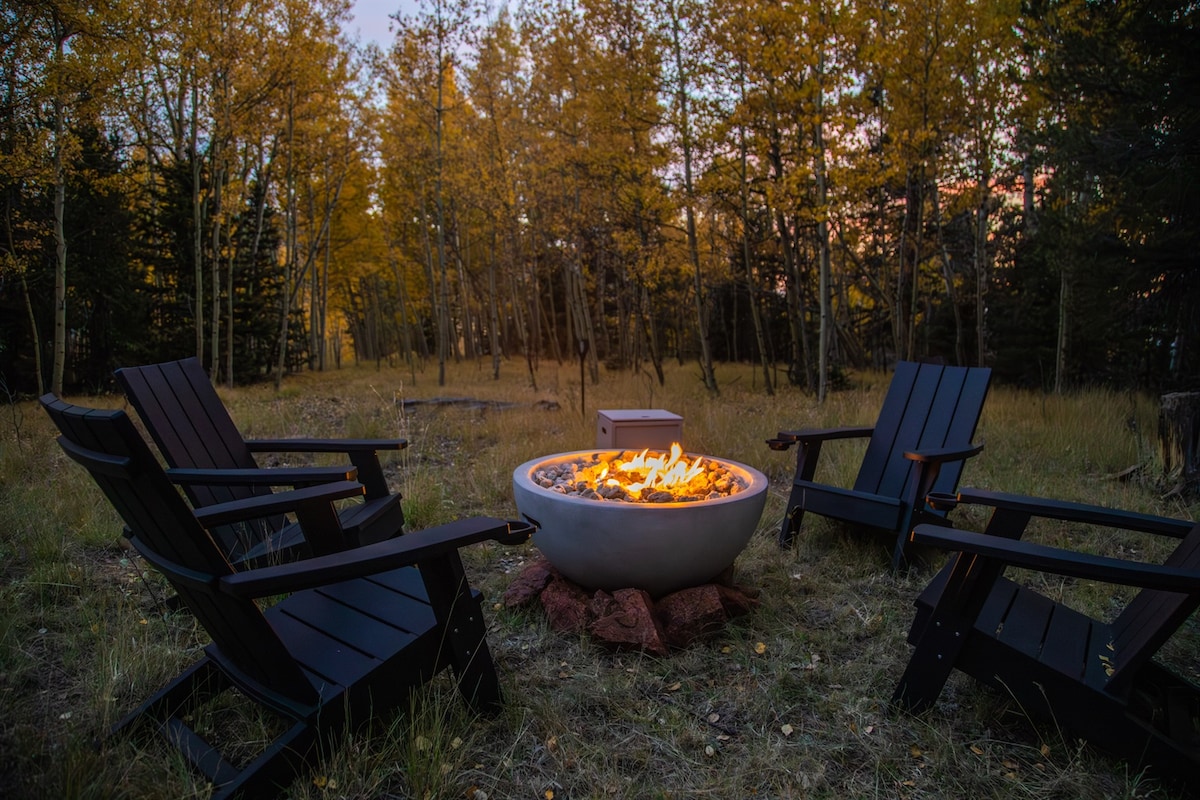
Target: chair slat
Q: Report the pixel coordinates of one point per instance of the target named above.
(1024, 627)
(889, 426)
(915, 420)
(1067, 642)
(996, 608)
(390, 596)
(964, 421)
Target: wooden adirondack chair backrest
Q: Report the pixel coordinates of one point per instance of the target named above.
(108, 445)
(187, 420)
(926, 406)
(192, 428)
(1152, 617)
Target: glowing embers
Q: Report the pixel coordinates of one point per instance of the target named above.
(643, 477)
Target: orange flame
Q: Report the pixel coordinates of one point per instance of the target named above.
(661, 473)
(644, 478)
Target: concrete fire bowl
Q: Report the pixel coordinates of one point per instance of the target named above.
(659, 547)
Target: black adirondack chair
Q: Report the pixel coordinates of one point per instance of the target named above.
(917, 446)
(215, 464)
(358, 631)
(1095, 679)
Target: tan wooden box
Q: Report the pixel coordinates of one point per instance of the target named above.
(638, 428)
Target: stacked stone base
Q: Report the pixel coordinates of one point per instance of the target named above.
(629, 619)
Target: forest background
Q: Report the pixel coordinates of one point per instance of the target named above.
(808, 186)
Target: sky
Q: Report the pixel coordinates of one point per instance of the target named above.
(371, 18)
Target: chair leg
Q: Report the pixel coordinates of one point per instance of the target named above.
(903, 538)
(951, 622)
(929, 667)
(264, 777)
(806, 467)
(478, 681)
(464, 632)
(792, 518)
(914, 506)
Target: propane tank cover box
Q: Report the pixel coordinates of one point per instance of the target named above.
(638, 429)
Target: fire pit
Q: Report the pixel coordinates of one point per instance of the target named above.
(657, 546)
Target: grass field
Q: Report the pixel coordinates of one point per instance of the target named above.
(790, 701)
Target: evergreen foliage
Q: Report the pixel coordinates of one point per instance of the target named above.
(1119, 219)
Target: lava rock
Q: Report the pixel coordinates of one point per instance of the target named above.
(737, 600)
(566, 606)
(526, 587)
(630, 624)
(690, 615)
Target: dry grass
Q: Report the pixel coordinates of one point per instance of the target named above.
(790, 701)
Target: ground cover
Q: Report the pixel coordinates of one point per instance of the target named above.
(788, 701)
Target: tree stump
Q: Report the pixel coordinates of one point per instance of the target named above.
(1179, 435)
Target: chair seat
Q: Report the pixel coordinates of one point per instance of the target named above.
(1022, 623)
(341, 633)
(848, 505)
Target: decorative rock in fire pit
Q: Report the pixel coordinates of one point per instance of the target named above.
(641, 536)
(629, 619)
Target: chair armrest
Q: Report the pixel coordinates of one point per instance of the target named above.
(1060, 561)
(785, 439)
(277, 503)
(943, 454)
(273, 476)
(1077, 512)
(374, 558)
(323, 445)
(363, 454)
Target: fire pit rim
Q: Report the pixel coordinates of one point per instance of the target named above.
(525, 473)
